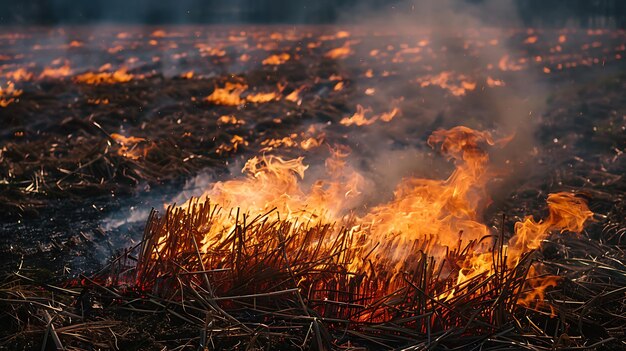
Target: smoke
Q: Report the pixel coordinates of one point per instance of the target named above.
(451, 38)
(450, 41)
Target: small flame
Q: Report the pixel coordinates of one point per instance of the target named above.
(132, 147)
(119, 76)
(278, 59)
(229, 95)
(56, 72)
(9, 94)
(444, 80)
(260, 98)
(340, 52)
(358, 118)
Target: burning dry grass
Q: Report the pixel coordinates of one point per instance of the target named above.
(274, 283)
(279, 283)
(9, 94)
(284, 271)
(377, 284)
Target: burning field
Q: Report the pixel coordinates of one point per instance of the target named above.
(312, 187)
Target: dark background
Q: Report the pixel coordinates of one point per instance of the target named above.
(557, 13)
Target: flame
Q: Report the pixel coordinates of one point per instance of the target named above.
(104, 101)
(444, 80)
(270, 144)
(20, 74)
(294, 96)
(505, 64)
(340, 52)
(260, 98)
(119, 76)
(388, 116)
(358, 118)
(278, 59)
(311, 142)
(235, 142)
(534, 296)
(229, 95)
(132, 147)
(429, 215)
(230, 120)
(495, 82)
(531, 40)
(9, 94)
(55, 73)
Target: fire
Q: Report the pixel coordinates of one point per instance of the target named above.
(429, 216)
(445, 80)
(294, 96)
(119, 76)
(534, 296)
(226, 119)
(9, 94)
(235, 143)
(506, 64)
(260, 98)
(55, 73)
(495, 82)
(270, 144)
(358, 118)
(311, 143)
(388, 116)
(531, 40)
(340, 52)
(20, 74)
(275, 60)
(132, 147)
(229, 95)
(104, 101)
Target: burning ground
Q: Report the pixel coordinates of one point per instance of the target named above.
(314, 188)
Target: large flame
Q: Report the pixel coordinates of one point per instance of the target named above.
(433, 216)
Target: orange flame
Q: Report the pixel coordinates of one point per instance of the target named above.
(119, 76)
(432, 215)
(358, 118)
(9, 94)
(229, 95)
(445, 80)
(340, 52)
(278, 59)
(55, 73)
(131, 147)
